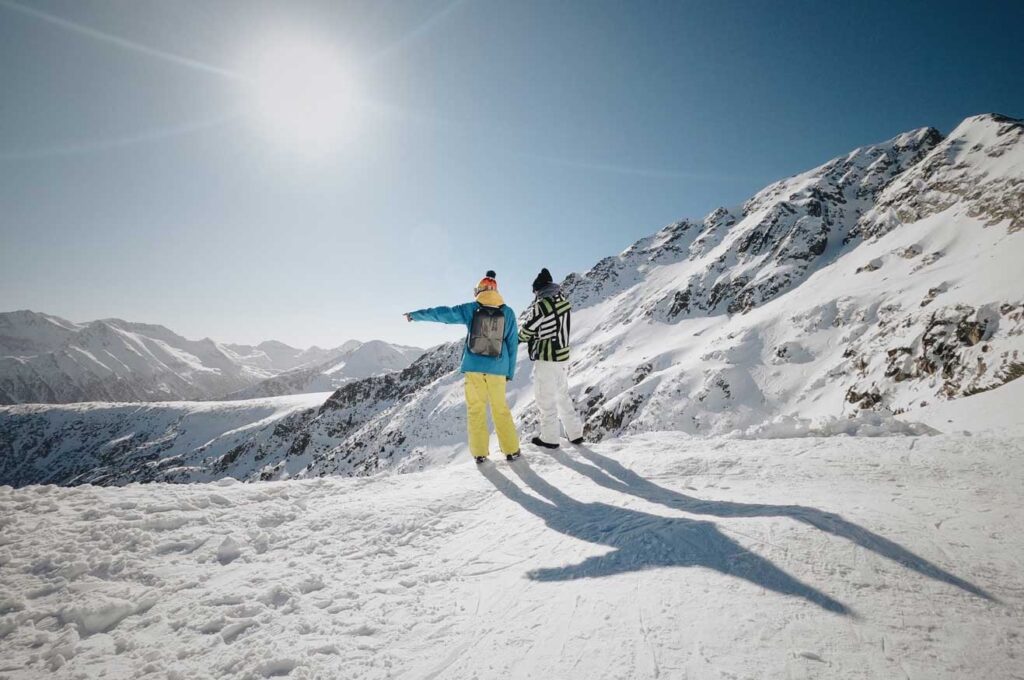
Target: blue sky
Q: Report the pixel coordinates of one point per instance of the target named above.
(136, 180)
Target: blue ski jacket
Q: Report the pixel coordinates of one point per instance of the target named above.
(505, 363)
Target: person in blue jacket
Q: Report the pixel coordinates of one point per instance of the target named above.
(488, 362)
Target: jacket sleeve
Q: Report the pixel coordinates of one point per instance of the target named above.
(529, 330)
(458, 314)
(511, 342)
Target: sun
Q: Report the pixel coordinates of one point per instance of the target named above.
(302, 95)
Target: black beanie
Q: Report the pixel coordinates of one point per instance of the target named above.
(490, 274)
(543, 279)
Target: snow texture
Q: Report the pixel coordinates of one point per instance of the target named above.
(649, 556)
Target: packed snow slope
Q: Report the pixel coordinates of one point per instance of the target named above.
(655, 555)
(881, 282)
(46, 359)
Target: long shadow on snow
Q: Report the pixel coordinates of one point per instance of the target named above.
(613, 475)
(642, 540)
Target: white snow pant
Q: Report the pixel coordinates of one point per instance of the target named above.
(551, 391)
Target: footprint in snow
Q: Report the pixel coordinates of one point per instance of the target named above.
(363, 631)
(278, 667)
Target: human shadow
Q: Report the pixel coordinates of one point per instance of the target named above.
(642, 540)
(613, 475)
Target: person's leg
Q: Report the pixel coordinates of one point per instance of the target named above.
(544, 378)
(476, 414)
(566, 408)
(508, 438)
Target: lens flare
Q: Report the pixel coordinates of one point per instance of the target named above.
(303, 95)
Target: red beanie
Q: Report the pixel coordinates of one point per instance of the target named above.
(489, 282)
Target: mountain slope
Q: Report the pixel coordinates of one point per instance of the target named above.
(649, 556)
(100, 443)
(798, 304)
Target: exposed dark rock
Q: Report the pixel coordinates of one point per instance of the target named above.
(866, 400)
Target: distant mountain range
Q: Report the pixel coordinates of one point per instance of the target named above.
(355, 361)
(882, 281)
(47, 359)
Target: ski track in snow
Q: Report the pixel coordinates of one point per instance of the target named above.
(652, 556)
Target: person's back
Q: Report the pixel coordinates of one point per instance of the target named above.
(546, 333)
(488, 362)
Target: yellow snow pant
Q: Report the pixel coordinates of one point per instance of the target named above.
(483, 389)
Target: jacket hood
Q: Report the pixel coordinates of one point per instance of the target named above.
(490, 298)
(549, 290)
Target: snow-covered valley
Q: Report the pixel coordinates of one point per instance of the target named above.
(656, 555)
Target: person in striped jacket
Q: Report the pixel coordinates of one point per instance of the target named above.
(546, 334)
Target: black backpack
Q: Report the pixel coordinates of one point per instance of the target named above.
(487, 331)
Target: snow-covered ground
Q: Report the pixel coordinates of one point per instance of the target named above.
(1000, 410)
(651, 556)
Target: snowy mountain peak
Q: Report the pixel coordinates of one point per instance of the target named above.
(25, 333)
(998, 119)
(26, 317)
(741, 258)
(277, 346)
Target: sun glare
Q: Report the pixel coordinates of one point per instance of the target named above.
(303, 96)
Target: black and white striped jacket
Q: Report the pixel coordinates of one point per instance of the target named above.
(546, 331)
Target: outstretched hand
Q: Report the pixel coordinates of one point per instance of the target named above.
(408, 317)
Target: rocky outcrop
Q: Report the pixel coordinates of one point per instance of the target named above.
(745, 257)
(949, 177)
